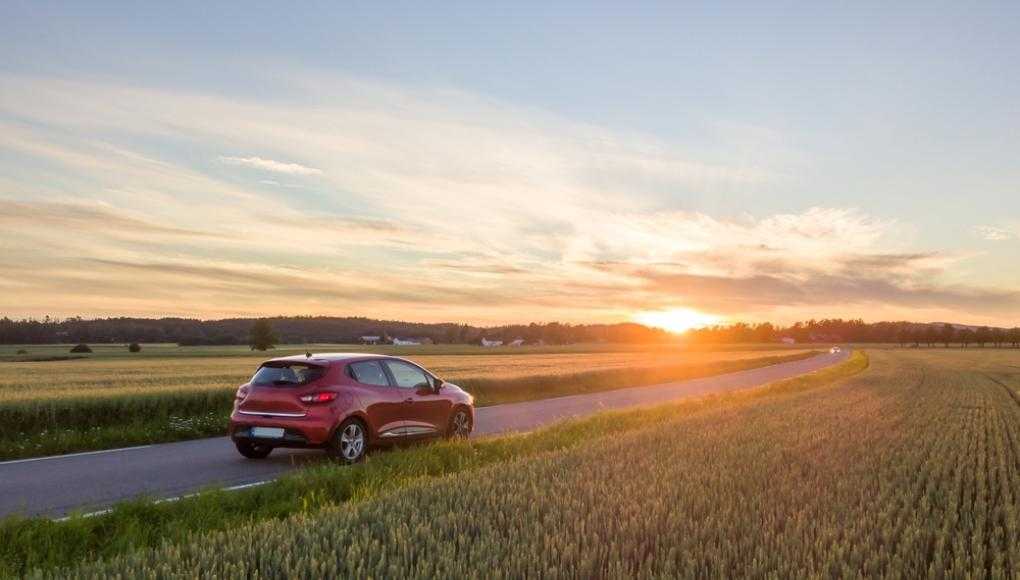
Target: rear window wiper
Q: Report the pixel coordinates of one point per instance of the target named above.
(281, 382)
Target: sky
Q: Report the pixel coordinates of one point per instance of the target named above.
(500, 163)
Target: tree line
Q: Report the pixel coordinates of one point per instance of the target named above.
(857, 331)
(948, 335)
(324, 329)
(307, 329)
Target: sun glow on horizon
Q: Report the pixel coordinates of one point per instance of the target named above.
(677, 320)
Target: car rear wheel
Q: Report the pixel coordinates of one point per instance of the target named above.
(460, 424)
(350, 441)
(253, 450)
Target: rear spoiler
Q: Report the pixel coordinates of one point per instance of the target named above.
(305, 363)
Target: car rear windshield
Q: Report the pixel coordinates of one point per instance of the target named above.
(282, 375)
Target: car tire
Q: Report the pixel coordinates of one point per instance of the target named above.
(349, 442)
(461, 424)
(253, 450)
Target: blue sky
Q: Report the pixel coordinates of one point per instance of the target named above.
(579, 161)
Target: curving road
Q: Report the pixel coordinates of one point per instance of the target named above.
(53, 486)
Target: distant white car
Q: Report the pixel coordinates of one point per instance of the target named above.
(835, 349)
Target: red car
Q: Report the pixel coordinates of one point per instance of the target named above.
(345, 403)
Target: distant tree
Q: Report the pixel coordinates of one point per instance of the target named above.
(903, 336)
(982, 336)
(450, 334)
(262, 336)
(930, 335)
(134, 347)
(1013, 336)
(997, 336)
(947, 334)
(764, 332)
(81, 348)
(22, 351)
(966, 337)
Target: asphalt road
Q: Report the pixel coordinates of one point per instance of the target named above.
(54, 486)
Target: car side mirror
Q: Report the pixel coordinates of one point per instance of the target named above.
(437, 384)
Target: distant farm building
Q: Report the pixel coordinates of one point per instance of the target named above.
(788, 340)
(516, 342)
(405, 342)
(370, 339)
(490, 343)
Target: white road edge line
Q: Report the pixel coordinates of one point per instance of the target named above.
(247, 485)
(170, 499)
(81, 454)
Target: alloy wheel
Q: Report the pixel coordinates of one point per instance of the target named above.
(461, 424)
(352, 442)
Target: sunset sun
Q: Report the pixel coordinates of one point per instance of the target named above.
(677, 320)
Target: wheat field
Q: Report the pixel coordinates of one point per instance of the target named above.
(110, 400)
(107, 376)
(910, 469)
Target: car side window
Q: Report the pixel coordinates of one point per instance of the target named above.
(369, 373)
(407, 375)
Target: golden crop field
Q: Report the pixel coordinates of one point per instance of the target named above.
(111, 400)
(103, 377)
(42, 352)
(910, 469)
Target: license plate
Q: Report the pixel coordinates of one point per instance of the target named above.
(267, 432)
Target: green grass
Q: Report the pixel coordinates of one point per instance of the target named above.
(101, 405)
(907, 470)
(40, 543)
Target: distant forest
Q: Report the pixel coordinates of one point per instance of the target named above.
(856, 330)
(301, 329)
(297, 330)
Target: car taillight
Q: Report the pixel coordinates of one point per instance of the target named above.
(241, 393)
(318, 398)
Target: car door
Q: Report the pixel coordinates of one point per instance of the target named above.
(384, 403)
(427, 412)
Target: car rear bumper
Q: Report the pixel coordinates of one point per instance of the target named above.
(306, 431)
(291, 438)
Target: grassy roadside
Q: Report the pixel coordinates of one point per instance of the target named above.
(35, 428)
(27, 544)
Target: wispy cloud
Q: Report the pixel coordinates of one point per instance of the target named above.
(765, 291)
(836, 258)
(993, 233)
(271, 165)
(78, 218)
